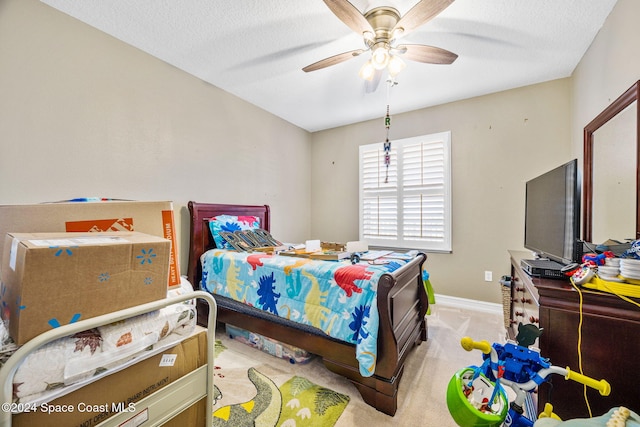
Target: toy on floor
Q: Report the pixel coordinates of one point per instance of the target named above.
(616, 417)
(512, 365)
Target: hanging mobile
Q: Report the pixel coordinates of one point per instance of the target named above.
(387, 146)
(387, 125)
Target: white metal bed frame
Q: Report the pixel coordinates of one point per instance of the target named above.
(159, 407)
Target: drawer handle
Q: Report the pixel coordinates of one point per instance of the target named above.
(534, 319)
(519, 314)
(519, 289)
(525, 300)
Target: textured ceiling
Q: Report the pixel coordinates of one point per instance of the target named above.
(256, 49)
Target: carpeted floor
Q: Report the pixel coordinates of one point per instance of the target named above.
(427, 372)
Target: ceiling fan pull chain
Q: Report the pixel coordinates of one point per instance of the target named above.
(387, 146)
(387, 143)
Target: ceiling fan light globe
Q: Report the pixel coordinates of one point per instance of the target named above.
(396, 65)
(397, 33)
(367, 71)
(380, 58)
(369, 38)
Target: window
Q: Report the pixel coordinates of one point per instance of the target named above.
(408, 204)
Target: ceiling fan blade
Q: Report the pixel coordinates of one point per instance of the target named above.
(422, 12)
(332, 60)
(350, 15)
(427, 54)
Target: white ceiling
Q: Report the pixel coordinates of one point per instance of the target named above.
(256, 49)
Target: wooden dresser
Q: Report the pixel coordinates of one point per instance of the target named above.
(610, 340)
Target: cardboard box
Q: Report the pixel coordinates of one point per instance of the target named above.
(51, 279)
(153, 217)
(126, 386)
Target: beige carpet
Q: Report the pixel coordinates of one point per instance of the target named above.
(427, 373)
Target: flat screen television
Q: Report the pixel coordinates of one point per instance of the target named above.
(552, 214)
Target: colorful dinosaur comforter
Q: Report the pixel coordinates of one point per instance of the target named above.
(338, 298)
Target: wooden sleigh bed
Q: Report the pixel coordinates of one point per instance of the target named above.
(401, 300)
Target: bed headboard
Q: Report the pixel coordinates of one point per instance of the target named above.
(200, 238)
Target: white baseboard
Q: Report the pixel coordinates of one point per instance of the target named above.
(468, 304)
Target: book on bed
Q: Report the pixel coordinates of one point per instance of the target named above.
(330, 255)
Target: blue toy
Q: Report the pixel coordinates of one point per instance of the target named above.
(512, 365)
(597, 259)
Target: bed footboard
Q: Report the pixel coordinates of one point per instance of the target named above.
(402, 307)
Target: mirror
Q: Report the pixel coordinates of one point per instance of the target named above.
(610, 175)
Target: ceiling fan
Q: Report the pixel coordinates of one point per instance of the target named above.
(381, 27)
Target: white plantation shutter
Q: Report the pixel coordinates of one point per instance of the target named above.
(412, 208)
(379, 201)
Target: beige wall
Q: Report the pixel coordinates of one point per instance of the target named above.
(609, 67)
(83, 114)
(499, 141)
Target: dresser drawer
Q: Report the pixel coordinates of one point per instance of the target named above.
(525, 307)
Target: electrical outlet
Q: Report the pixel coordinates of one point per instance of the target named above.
(488, 276)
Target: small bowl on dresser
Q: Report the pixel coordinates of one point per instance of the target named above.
(608, 271)
(612, 262)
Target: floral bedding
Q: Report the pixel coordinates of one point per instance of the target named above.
(69, 362)
(339, 298)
